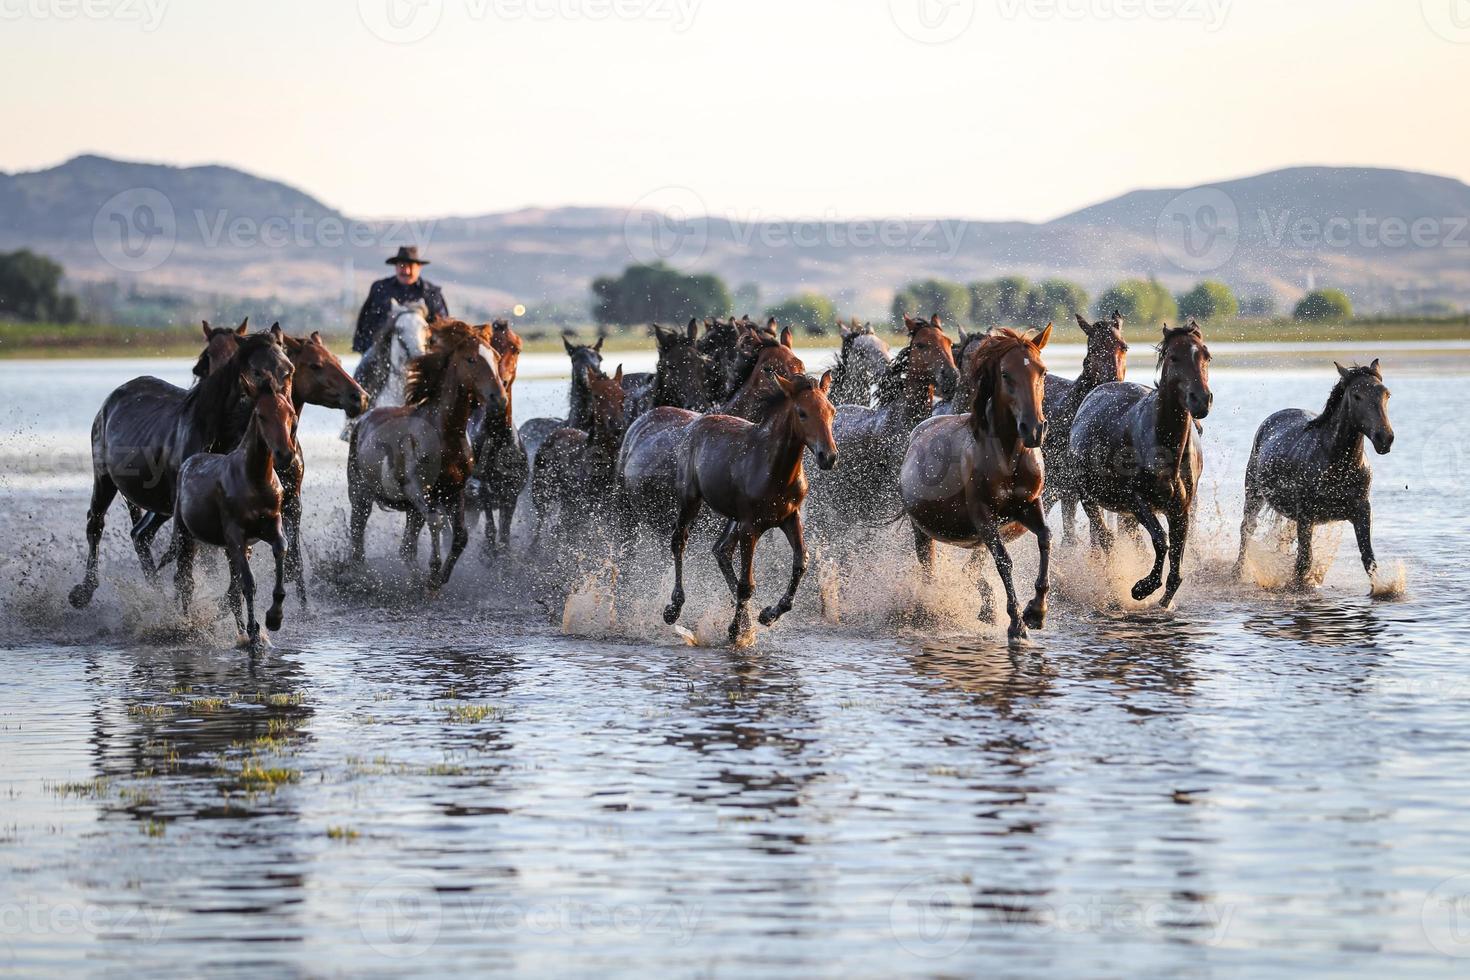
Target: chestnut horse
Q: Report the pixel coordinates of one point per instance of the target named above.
(576, 470)
(501, 464)
(416, 458)
(1106, 360)
(752, 475)
(234, 499)
(1136, 452)
(147, 428)
(1311, 468)
(975, 479)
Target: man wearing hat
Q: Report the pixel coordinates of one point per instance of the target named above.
(406, 286)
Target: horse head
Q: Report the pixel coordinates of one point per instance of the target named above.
(586, 358)
(470, 363)
(1009, 381)
(1364, 397)
(682, 370)
(263, 364)
(275, 420)
(220, 344)
(506, 343)
(1184, 369)
(408, 332)
(931, 355)
(320, 379)
(607, 396)
(811, 414)
(1107, 352)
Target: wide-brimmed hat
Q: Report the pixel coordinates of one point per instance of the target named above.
(407, 253)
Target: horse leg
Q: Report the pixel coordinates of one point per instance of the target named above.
(103, 490)
(295, 561)
(1363, 530)
(281, 553)
(1303, 554)
(233, 594)
(245, 583)
(1102, 537)
(1150, 583)
(740, 625)
(362, 508)
(460, 538)
(145, 529)
(991, 531)
(436, 559)
(923, 550)
(184, 571)
(1178, 537)
(1253, 504)
(137, 516)
(408, 548)
(724, 552)
(1034, 520)
(688, 511)
(797, 539)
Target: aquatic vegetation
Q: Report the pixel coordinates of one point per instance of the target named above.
(342, 833)
(473, 713)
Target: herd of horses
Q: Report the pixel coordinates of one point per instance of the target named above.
(969, 439)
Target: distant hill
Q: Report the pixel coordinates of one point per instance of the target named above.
(217, 229)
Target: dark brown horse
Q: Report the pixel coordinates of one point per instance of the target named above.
(752, 475)
(416, 458)
(680, 380)
(1312, 470)
(576, 471)
(233, 500)
(1106, 360)
(220, 344)
(502, 467)
(964, 393)
(976, 479)
(147, 428)
(873, 441)
(585, 358)
(1136, 452)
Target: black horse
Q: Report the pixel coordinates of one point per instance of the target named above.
(585, 358)
(1136, 452)
(682, 378)
(1312, 470)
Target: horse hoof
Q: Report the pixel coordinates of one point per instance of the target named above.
(80, 596)
(273, 619)
(671, 614)
(770, 614)
(1034, 617)
(1144, 589)
(1017, 632)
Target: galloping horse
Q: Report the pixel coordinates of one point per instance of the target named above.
(233, 500)
(873, 441)
(501, 463)
(416, 457)
(861, 364)
(585, 359)
(403, 336)
(752, 475)
(1136, 453)
(681, 379)
(1106, 360)
(576, 470)
(1312, 470)
(147, 428)
(975, 479)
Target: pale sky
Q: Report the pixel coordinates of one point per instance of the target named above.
(754, 108)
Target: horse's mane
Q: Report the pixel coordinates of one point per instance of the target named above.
(994, 346)
(777, 398)
(213, 400)
(1339, 391)
(890, 385)
(424, 378)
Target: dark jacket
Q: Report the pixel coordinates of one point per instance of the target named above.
(385, 292)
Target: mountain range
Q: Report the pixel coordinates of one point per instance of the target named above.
(1393, 239)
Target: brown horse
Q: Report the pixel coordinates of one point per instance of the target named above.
(147, 428)
(681, 378)
(975, 479)
(416, 458)
(752, 475)
(1136, 452)
(1106, 360)
(220, 344)
(501, 464)
(234, 499)
(575, 470)
(964, 393)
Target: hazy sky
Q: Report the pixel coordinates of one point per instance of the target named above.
(753, 108)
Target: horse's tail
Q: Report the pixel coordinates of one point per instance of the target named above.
(885, 521)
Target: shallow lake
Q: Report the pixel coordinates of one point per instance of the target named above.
(1253, 781)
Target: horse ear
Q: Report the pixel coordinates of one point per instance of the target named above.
(934, 321)
(908, 323)
(598, 346)
(618, 374)
(244, 324)
(278, 336)
(787, 387)
(1342, 372)
(567, 344)
(786, 337)
(206, 329)
(825, 385)
(843, 328)
(1374, 368)
(1117, 318)
(316, 338)
(693, 328)
(1082, 322)
(1043, 337)
(963, 336)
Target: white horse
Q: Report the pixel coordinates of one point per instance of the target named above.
(403, 337)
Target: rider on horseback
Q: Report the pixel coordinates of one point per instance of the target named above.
(405, 286)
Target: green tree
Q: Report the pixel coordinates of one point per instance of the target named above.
(657, 293)
(1053, 301)
(1327, 305)
(1261, 306)
(923, 299)
(997, 302)
(1209, 300)
(1143, 302)
(812, 311)
(30, 288)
